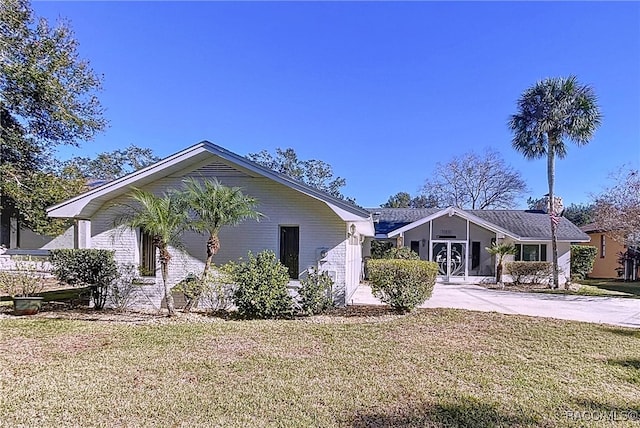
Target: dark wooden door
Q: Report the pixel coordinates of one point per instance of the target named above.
(290, 249)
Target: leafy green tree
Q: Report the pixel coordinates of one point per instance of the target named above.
(111, 165)
(313, 172)
(404, 200)
(579, 214)
(500, 250)
(162, 217)
(550, 112)
(475, 181)
(214, 206)
(47, 98)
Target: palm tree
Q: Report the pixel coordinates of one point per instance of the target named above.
(500, 250)
(162, 217)
(549, 112)
(213, 206)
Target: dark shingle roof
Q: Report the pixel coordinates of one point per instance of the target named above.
(394, 218)
(525, 224)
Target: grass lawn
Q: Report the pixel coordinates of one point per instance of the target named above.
(588, 287)
(612, 286)
(429, 368)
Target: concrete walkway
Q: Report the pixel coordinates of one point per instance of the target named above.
(606, 310)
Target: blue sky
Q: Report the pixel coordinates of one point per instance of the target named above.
(381, 91)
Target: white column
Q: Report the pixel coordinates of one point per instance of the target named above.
(82, 233)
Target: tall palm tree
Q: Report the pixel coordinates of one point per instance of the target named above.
(162, 217)
(213, 206)
(550, 112)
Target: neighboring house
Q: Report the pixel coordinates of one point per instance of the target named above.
(302, 225)
(456, 239)
(608, 258)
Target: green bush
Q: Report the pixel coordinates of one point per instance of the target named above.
(378, 248)
(92, 268)
(582, 259)
(315, 293)
(218, 290)
(403, 253)
(529, 272)
(402, 284)
(261, 286)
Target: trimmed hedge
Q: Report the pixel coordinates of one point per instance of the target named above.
(92, 268)
(529, 272)
(402, 284)
(582, 259)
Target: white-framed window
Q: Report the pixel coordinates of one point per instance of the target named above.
(531, 253)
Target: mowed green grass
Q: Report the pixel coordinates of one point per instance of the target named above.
(429, 368)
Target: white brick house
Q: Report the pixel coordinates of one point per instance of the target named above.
(303, 226)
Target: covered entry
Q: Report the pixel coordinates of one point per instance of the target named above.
(451, 257)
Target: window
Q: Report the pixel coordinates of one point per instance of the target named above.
(603, 246)
(531, 252)
(147, 255)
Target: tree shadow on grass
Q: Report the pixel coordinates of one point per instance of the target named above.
(464, 412)
(607, 410)
(632, 289)
(629, 332)
(631, 366)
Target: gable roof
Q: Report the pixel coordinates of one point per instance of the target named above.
(518, 224)
(86, 204)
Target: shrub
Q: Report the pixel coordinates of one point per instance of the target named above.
(316, 293)
(26, 279)
(218, 290)
(122, 290)
(261, 286)
(378, 248)
(582, 259)
(402, 284)
(529, 272)
(92, 268)
(192, 289)
(403, 253)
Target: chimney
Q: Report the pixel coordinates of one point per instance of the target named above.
(542, 204)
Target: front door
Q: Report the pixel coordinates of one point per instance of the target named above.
(451, 257)
(290, 249)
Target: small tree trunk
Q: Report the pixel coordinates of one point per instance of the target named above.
(551, 171)
(165, 257)
(213, 245)
(499, 273)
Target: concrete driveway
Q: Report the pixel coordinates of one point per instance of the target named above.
(606, 310)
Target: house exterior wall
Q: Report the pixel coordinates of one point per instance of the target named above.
(320, 228)
(419, 234)
(605, 265)
(449, 226)
(487, 262)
